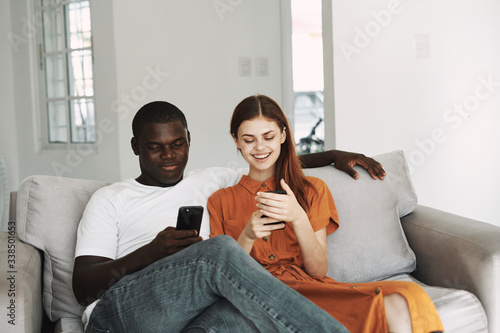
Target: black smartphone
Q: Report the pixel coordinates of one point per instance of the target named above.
(279, 222)
(189, 217)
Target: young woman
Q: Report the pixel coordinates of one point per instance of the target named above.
(293, 249)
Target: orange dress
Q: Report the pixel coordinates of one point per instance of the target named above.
(358, 306)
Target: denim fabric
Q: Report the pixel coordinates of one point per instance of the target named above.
(174, 292)
(220, 317)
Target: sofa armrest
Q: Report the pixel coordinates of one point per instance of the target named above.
(457, 252)
(20, 285)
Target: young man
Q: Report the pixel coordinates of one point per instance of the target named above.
(130, 270)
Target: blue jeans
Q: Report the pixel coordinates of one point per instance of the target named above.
(222, 316)
(211, 286)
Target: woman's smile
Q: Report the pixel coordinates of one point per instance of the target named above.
(261, 157)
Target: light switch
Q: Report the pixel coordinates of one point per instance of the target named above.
(421, 46)
(261, 66)
(245, 66)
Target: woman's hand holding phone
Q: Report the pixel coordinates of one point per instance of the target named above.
(283, 207)
(259, 225)
(282, 192)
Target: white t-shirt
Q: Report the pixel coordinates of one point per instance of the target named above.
(127, 215)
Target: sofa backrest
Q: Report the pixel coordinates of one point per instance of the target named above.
(369, 245)
(48, 212)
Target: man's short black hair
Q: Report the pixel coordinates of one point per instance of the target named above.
(158, 112)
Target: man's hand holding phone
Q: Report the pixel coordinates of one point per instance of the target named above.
(190, 217)
(172, 240)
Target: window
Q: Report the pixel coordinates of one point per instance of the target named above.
(307, 46)
(307, 55)
(66, 78)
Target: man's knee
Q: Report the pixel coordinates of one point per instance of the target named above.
(224, 247)
(223, 243)
(222, 316)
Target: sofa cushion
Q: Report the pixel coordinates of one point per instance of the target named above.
(48, 211)
(460, 311)
(370, 244)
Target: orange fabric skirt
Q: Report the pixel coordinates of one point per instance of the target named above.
(360, 306)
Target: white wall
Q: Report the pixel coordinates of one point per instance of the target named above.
(196, 47)
(386, 99)
(8, 139)
(8, 142)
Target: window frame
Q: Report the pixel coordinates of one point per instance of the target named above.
(42, 98)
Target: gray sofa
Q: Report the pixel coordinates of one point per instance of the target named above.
(383, 235)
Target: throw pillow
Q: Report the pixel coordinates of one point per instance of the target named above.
(370, 244)
(48, 212)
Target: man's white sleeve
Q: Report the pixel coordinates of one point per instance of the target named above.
(98, 230)
(228, 177)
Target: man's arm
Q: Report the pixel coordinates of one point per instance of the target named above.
(344, 161)
(93, 275)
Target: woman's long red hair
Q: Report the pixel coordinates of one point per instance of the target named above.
(287, 166)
